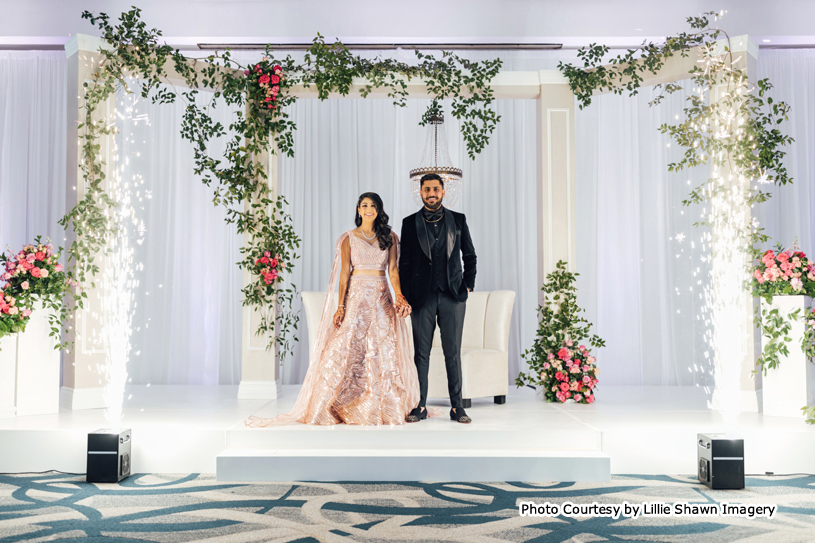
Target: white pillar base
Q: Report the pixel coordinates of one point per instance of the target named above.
(77, 399)
(259, 390)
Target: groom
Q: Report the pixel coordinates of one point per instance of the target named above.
(435, 240)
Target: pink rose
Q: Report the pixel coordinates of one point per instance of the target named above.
(39, 255)
(554, 388)
(264, 79)
(796, 283)
(273, 262)
(24, 285)
(783, 256)
(267, 254)
(275, 90)
(43, 273)
(546, 365)
(35, 272)
(569, 342)
(30, 258)
(564, 386)
(563, 353)
(589, 398)
(586, 368)
(560, 376)
(275, 79)
(264, 259)
(7, 276)
(13, 311)
(575, 369)
(577, 397)
(26, 312)
(550, 356)
(10, 265)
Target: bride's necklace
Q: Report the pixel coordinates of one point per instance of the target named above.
(366, 237)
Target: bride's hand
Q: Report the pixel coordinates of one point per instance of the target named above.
(339, 316)
(403, 308)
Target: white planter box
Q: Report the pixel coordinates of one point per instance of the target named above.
(786, 388)
(8, 375)
(29, 369)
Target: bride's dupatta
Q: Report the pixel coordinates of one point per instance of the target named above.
(406, 380)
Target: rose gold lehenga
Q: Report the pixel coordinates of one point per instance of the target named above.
(362, 372)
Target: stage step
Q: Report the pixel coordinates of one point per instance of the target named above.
(235, 464)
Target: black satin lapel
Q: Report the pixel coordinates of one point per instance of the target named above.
(421, 233)
(450, 224)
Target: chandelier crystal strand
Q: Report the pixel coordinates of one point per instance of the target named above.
(436, 159)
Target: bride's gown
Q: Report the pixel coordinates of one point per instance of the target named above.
(362, 372)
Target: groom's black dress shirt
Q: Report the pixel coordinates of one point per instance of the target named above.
(436, 241)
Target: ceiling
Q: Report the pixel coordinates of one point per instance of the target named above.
(572, 23)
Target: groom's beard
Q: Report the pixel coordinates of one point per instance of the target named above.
(433, 207)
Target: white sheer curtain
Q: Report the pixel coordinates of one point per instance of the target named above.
(790, 213)
(638, 254)
(32, 147)
(187, 320)
(345, 148)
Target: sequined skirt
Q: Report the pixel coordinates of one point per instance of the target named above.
(365, 375)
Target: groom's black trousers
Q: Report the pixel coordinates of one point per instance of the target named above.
(450, 314)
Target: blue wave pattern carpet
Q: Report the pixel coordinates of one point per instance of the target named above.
(180, 508)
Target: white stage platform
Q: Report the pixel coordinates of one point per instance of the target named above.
(631, 430)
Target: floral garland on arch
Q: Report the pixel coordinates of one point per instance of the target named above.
(134, 51)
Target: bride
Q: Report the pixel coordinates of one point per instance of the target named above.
(362, 371)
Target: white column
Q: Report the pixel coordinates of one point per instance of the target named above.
(83, 366)
(260, 369)
(557, 237)
(745, 54)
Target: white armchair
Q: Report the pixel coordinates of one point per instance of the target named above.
(484, 345)
(484, 350)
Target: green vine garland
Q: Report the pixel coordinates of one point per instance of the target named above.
(133, 51)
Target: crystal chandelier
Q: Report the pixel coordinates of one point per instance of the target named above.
(436, 159)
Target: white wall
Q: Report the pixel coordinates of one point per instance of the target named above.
(418, 18)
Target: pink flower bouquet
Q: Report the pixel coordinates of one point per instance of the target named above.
(268, 267)
(34, 271)
(264, 81)
(13, 319)
(569, 373)
(786, 272)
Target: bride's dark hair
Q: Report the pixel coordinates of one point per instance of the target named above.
(381, 227)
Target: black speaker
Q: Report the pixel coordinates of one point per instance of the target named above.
(720, 461)
(108, 456)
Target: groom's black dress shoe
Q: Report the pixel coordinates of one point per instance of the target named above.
(416, 415)
(459, 415)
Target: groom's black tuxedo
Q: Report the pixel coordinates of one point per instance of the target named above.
(416, 266)
(435, 286)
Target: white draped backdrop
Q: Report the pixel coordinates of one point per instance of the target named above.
(639, 255)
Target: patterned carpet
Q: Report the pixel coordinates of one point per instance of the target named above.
(173, 508)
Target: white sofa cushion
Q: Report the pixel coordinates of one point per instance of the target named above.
(484, 344)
